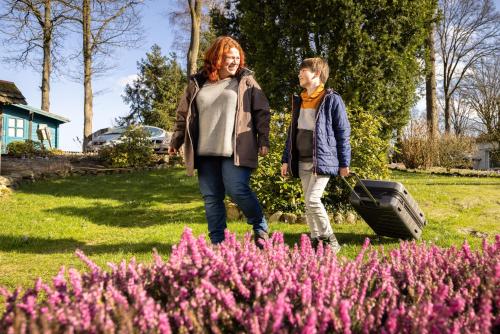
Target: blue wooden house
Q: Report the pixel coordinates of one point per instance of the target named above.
(19, 121)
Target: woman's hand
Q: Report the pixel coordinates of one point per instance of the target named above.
(263, 151)
(172, 151)
(284, 170)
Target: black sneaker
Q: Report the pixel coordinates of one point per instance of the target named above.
(331, 241)
(315, 243)
(260, 237)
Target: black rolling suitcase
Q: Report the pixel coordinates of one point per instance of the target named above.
(387, 208)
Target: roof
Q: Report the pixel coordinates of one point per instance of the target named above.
(9, 93)
(42, 113)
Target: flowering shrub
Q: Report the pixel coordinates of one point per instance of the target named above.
(235, 287)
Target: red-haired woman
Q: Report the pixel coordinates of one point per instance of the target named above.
(223, 122)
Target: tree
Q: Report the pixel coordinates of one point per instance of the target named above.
(482, 92)
(430, 84)
(192, 19)
(31, 26)
(194, 44)
(468, 31)
(105, 25)
(460, 114)
(371, 48)
(154, 95)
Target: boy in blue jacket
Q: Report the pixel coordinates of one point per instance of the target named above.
(317, 146)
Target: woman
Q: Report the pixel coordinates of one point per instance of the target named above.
(223, 122)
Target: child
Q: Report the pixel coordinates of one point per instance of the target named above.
(317, 145)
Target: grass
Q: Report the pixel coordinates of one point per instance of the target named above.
(117, 217)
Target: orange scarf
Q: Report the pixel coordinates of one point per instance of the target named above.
(312, 101)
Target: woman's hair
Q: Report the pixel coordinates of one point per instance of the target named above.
(215, 56)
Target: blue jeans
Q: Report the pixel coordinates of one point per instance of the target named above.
(218, 176)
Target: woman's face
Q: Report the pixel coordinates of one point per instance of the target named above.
(230, 63)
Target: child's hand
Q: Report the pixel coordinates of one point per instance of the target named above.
(284, 170)
(344, 171)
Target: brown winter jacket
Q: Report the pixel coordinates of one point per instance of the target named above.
(251, 125)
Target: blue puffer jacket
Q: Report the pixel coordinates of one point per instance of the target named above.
(331, 147)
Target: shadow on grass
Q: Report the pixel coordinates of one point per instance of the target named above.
(127, 215)
(345, 238)
(164, 186)
(35, 245)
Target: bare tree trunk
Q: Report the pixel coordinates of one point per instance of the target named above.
(47, 44)
(194, 45)
(87, 76)
(430, 86)
(468, 31)
(447, 117)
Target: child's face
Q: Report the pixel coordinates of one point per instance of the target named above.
(307, 77)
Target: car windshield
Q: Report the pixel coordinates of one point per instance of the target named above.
(154, 132)
(108, 136)
(116, 131)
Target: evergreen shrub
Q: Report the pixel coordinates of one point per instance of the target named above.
(134, 149)
(369, 159)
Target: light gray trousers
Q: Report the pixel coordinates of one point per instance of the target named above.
(313, 187)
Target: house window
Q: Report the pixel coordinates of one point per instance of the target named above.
(16, 128)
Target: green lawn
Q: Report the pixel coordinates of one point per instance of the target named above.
(120, 216)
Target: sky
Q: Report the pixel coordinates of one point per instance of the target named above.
(66, 96)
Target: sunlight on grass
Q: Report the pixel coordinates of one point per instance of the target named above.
(116, 217)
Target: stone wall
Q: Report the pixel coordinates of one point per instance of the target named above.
(15, 171)
(19, 166)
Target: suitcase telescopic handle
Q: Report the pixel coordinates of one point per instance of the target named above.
(362, 186)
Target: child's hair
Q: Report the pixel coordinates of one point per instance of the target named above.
(317, 64)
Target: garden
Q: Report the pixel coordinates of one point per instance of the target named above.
(116, 241)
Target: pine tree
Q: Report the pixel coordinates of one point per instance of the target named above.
(154, 95)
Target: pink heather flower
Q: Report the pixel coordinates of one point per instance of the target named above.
(164, 324)
(310, 326)
(306, 292)
(76, 282)
(279, 310)
(466, 250)
(457, 305)
(344, 308)
(414, 288)
(392, 321)
(29, 305)
(92, 266)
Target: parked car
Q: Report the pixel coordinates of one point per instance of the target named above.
(111, 136)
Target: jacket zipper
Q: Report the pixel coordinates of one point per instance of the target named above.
(315, 159)
(315, 162)
(236, 158)
(188, 117)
